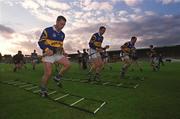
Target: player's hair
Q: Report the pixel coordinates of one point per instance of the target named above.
(19, 51)
(84, 50)
(134, 37)
(102, 27)
(61, 18)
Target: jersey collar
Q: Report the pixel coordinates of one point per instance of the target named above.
(99, 34)
(54, 28)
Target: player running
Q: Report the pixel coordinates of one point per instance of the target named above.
(94, 54)
(127, 52)
(51, 42)
(153, 58)
(34, 58)
(18, 60)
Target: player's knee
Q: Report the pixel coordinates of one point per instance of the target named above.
(101, 63)
(67, 65)
(48, 74)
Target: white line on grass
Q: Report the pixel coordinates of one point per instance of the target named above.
(77, 101)
(61, 97)
(120, 84)
(32, 88)
(99, 107)
(20, 83)
(12, 82)
(136, 85)
(25, 85)
(36, 91)
(106, 83)
(52, 92)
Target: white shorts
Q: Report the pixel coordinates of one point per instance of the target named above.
(93, 54)
(53, 58)
(105, 59)
(125, 57)
(35, 60)
(154, 60)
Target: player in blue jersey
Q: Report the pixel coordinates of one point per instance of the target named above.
(94, 54)
(51, 43)
(34, 58)
(127, 51)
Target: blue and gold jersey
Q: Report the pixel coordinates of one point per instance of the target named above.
(51, 38)
(128, 47)
(96, 41)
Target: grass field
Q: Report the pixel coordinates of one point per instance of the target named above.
(157, 97)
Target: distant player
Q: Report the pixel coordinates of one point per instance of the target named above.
(95, 45)
(79, 59)
(51, 43)
(127, 51)
(85, 58)
(153, 58)
(160, 60)
(18, 60)
(105, 59)
(34, 59)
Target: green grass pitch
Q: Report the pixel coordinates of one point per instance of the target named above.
(156, 97)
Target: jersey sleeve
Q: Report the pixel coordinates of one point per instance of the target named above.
(125, 45)
(42, 40)
(125, 48)
(91, 43)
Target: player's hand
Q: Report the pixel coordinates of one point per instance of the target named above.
(99, 49)
(107, 46)
(127, 50)
(48, 52)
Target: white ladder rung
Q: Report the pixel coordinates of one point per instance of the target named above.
(136, 85)
(77, 101)
(120, 84)
(106, 83)
(12, 82)
(99, 107)
(31, 87)
(36, 91)
(61, 97)
(25, 85)
(52, 92)
(20, 83)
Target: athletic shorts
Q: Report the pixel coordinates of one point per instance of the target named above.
(105, 60)
(154, 60)
(94, 54)
(125, 57)
(35, 60)
(18, 61)
(53, 58)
